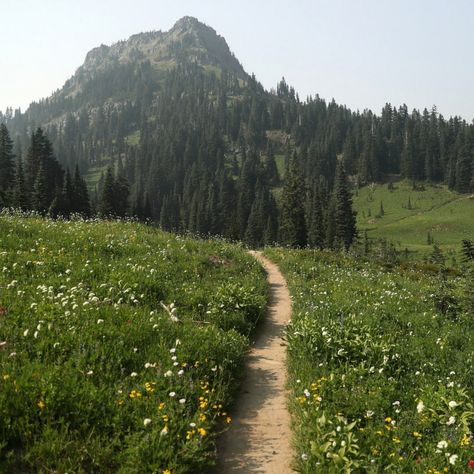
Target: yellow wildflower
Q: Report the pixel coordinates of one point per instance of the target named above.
(161, 406)
(202, 431)
(41, 404)
(149, 387)
(6, 376)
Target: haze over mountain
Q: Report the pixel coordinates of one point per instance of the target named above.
(201, 145)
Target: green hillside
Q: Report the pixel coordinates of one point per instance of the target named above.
(96, 375)
(409, 215)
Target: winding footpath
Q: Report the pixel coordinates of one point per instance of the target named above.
(259, 439)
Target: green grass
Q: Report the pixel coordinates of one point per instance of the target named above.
(381, 380)
(280, 162)
(134, 138)
(94, 173)
(95, 375)
(444, 214)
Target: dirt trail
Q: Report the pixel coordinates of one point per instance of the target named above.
(259, 438)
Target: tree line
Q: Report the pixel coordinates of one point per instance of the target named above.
(211, 154)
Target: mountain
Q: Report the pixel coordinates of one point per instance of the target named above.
(200, 145)
(188, 40)
(98, 80)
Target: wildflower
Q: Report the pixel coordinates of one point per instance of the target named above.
(168, 374)
(420, 407)
(146, 421)
(451, 421)
(90, 372)
(466, 439)
(452, 404)
(470, 464)
(164, 431)
(388, 420)
(100, 321)
(192, 425)
(228, 420)
(202, 432)
(369, 414)
(417, 435)
(304, 457)
(182, 401)
(6, 376)
(133, 374)
(135, 394)
(161, 406)
(166, 471)
(172, 394)
(453, 458)
(41, 404)
(442, 445)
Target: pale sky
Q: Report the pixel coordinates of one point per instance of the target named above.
(363, 53)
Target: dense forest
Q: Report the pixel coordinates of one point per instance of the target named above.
(213, 152)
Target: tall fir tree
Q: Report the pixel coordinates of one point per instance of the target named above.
(344, 217)
(293, 231)
(7, 165)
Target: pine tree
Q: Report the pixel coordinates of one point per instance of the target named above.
(437, 256)
(107, 206)
(345, 222)
(80, 201)
(293, 231)
(20, 193)
(316, 228)
(39, 199)
(7, 170)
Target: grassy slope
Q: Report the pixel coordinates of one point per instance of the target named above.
(366, 346)
(88, 354)
(446, 215)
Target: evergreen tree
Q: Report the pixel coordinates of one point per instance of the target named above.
(107, 206)
(7, 170)
(316, 227)
(20, 193)
(293, 231)
(80, 202)
(344, 217)
(40, 196)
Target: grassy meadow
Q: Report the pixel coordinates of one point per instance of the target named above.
(410, 215)
(96, 375)
(381, 374)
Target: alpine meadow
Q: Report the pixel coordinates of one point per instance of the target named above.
(199, 274)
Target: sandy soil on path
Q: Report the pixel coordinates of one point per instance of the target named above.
(259, 438)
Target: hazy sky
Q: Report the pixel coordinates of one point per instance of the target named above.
(363, 53)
